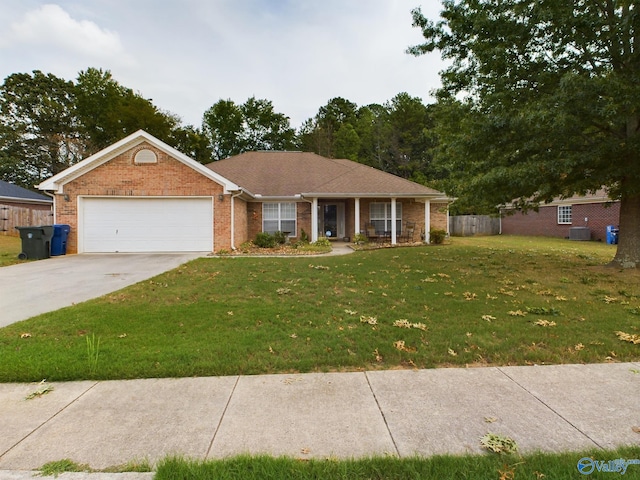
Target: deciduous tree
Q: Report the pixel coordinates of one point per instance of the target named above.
(543, 99)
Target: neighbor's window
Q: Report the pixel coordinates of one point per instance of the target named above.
(564, 214)
(380, 215)
(279, 217)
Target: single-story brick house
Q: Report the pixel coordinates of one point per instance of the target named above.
(21, 207)
(142, 195)
(556, 219)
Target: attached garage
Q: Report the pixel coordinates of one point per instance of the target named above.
(145, 224)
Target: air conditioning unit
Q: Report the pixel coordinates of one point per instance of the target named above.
(579, 233)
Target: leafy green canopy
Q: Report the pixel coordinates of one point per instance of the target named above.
(541, 99)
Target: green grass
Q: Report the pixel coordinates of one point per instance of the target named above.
(10, 247)
(472, 467)
(475, 301)
(58, 467)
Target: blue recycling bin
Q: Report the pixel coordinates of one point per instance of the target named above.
(59, 240)
(612, 235)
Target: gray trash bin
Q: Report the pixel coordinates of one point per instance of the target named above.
(36, 242)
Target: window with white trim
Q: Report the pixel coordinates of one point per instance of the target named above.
(279, 217)
(380, 216)
(564, 214)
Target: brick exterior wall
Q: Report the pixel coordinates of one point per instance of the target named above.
(122, 177)
(545, 221)
(412, 211)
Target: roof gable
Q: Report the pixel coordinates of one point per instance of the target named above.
(58, 181)
(9, 191)
(287, 174)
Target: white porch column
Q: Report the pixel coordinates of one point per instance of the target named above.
(393, 221)
(427, 220)
(356, 217)
(314, 220)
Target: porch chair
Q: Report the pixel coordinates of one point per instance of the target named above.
(407, 234)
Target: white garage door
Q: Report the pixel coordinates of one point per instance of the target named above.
(146, 224)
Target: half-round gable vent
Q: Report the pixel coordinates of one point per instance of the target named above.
(146, 156)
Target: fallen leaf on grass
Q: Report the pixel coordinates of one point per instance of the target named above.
(509, 473)
(377, 355)
(452, 352)
(469, 296)
(517, 313)
(400, 345)
(545, 323)
(488, 318)
(25, 335)
(368, 319)
(629, 337)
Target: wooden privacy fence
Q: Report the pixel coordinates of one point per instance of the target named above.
(12, 216)
(469, 225)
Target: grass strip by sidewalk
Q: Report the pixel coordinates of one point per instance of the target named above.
(474, 302)
(473, 467)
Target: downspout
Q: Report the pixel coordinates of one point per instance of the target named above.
(53, 197)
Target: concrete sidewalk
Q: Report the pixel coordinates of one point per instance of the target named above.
(400, 413)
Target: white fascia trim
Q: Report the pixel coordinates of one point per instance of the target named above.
(57, 182)
(374, 195)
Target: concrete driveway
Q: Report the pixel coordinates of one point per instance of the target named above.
(32, 288)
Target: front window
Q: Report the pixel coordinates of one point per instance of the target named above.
(564, 214)
(279, 217)
(380, 215)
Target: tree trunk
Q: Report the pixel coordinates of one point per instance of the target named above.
(628, 254)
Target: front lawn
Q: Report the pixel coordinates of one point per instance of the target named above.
(10, 247)
(475, 301)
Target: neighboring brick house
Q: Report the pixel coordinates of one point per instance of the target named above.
(141, 195)
(20, 207)
(556, 219)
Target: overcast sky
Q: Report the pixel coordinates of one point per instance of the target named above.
(186, 55)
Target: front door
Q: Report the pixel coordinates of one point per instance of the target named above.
(331, 218)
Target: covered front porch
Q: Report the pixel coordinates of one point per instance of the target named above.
(389, 218)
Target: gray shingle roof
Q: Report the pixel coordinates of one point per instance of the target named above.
(11, 191)
(291, 173)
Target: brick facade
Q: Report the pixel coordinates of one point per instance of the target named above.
(545, 221)
(121, 177)
(119, 172)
